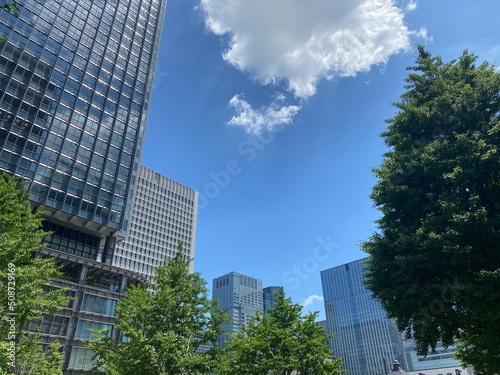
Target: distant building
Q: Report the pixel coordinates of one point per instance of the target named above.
(241, 297)
(269, 294)
(441, 357)
(323, 323)
(163, 213)
(363, 336)
(454, 370)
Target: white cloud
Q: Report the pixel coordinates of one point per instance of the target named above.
(310, 300)
(302, 42)
(411, 6)
(422, 34)
(493, 56)
(254, 121)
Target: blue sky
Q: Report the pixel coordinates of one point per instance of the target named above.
(272, 110)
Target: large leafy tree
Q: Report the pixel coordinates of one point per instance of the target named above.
(435, 259)
(164, 327)
(281, 342)
(22, 277)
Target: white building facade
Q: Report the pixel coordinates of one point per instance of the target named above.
(163, 213)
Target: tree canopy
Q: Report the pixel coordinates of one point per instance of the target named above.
(435, 259)
(22, 276)
(281, 342)
(165, 327)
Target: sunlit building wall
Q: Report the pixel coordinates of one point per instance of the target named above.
(363, 336)
(163, 214)
(241, 297)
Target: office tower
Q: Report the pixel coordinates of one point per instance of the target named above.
(363, 336)
(241, 297)
(269, 294)
(76, 79)
(163, 212)
(75, 86)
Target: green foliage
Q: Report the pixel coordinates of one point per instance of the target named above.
(280, 342)
(32, 360)
(22, 277)
(11, 7)
(164, 327)
(435, 260)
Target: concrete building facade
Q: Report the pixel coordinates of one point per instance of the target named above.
(163, 213)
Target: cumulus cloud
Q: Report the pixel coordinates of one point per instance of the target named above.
(302, 42)
(254, 121)
(310, 300)
(411, 6)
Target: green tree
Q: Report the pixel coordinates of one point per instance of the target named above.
(280, 342)
(32, 360)
(22, 276)
(164, 327)
(435, 259)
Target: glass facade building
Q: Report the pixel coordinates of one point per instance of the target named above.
(75, 86)
(363, 336)
(269, 294)
(242, 298)
(163, 213)
(441, 357)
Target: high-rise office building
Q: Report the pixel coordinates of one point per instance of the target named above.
(269, 295)
(75, 81)
(241, 297)
(75, 86)
(163, 213)
(363, 336)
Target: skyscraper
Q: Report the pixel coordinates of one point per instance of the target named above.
(363, 336)
(75, 87)
(241, 297)
(163, 212)
(269, 294)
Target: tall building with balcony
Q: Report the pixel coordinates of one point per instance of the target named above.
(163, 213)
(75, 87)
(241, 297)
(363, 336)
